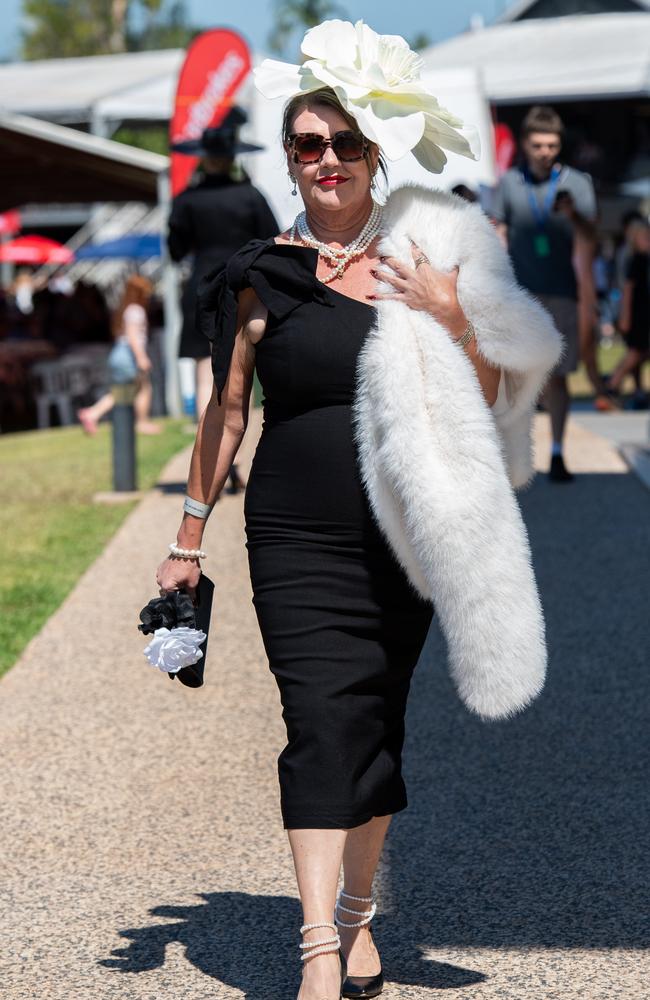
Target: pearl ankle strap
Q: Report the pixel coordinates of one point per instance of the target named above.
(312, 948)
(366, 915)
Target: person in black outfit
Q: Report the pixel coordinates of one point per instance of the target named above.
(210, 220)
(634, 318)
(342, 626)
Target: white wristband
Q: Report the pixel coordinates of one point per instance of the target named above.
(196, 507)
(180, 553)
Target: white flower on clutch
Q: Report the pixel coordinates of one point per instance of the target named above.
(377, 80)
(169, 650)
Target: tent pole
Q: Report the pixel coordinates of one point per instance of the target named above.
(171, 303)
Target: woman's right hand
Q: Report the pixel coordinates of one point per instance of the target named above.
(178, 574)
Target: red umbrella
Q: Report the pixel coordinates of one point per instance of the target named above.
(35, 250)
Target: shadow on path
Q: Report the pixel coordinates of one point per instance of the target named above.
(524, 834)
(247, 942)
(533, 832)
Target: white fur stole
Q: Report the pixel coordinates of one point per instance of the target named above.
(439, 466)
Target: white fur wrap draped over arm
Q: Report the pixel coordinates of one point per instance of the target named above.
(439, 465)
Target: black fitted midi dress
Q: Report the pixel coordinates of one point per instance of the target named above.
(341, 625)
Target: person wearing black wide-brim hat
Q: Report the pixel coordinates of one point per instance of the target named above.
(212, 219)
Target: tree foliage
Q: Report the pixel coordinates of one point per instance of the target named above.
(420, 41)
(292, 17)
(64, 28)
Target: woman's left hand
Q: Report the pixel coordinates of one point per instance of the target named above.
(424, 289)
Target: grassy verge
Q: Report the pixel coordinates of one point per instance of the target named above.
(50, 530)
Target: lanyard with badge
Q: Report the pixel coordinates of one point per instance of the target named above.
(541, 212)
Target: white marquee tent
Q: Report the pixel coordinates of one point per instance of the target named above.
(93, 89)
(562, 58)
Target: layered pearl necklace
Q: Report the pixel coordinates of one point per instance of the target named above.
(342, 257)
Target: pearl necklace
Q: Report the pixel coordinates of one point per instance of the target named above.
(341, 257)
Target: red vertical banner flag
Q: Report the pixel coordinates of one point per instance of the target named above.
(505, 147)
(216, 64)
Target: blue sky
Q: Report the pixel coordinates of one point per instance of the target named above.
(439, 19)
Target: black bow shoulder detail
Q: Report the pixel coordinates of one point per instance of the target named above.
(283, 277)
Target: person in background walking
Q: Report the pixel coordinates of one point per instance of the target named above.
(634, 315)
(211, 219)
(537, 208)
(128, 360)
(584, 260)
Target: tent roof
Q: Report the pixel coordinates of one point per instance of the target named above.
(77, 89)
(42, 162)
(521, 7)
(582, 57)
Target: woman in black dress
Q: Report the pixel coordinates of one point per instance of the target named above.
(342, 626)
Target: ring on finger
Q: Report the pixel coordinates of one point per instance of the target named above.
(422, 259)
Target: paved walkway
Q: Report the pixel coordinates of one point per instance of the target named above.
(143, 853)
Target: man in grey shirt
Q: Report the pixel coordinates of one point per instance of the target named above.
(537, 208)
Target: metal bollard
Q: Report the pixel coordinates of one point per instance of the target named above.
(124, 458)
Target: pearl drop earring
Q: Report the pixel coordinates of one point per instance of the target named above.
(294, 189)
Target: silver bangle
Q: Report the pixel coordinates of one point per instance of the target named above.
(196, 508)
(180, 553)
(467, 336)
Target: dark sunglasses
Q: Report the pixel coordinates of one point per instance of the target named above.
(309, 147)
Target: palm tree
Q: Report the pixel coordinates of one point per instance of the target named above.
(293, 15)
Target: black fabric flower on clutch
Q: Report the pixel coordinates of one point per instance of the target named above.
(180, 632)
(171, 611)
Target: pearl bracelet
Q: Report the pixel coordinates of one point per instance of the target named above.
(180, 553)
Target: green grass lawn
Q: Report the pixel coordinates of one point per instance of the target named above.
(50, 529)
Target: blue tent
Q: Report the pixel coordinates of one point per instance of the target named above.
(135, 246)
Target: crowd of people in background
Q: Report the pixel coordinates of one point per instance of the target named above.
(55, 310)
(597, 287)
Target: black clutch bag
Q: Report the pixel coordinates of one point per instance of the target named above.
(176, 609)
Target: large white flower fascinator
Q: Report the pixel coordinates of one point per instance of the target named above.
(377, 80)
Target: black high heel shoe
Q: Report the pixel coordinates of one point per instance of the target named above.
(359, 987)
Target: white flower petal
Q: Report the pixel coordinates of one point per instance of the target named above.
(330, 77)
(394, 128)
(367, 42)
(332, 41)
(442, 134)
(429, 156)
(276, 79)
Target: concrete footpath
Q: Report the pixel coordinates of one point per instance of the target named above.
(143, 854)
